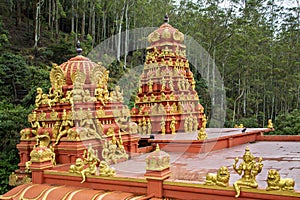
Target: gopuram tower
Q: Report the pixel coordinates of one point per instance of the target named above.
(167, 101)
(77, 112)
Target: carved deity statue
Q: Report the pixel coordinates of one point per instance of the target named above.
(270, 124)
(65, 126)
(249, 169)
(163, 126)
(35, 124)
(172, 125)
(39, 97)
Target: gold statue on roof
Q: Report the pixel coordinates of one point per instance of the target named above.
(249, 169)
(275, 182)
(219, 179)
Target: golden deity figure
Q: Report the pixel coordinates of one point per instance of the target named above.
(202, 134)
(270, 124)
(219, 179)
(149, 128)
(170, 62)
(144, 127)
(249, 169)
(140, 126)
(150, 84)
(163, 126)
(117, 94)
(163, 84)
(171, 86)
(78, 167)
(204, 121)
(78, 92)
(35, 124)
(65, 126)
(99, 94)
(195, 122)
(172, 125)
(275, 182)
(39, 97)
(90, 158)
(68, 98)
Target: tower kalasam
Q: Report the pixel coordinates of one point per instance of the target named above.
(167, 101)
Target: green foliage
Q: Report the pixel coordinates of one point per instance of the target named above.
(287, 123)
(12, 119)
(13, 75)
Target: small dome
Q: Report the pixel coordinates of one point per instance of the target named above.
(166, 35)
(75, 66)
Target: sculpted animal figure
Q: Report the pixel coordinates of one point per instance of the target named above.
(220, 179)
(275, 182)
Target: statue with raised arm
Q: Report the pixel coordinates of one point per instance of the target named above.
(65, 126)
(249, 169)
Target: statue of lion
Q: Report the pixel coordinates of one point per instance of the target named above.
(78, 167)
(275, 182)
(220, 179)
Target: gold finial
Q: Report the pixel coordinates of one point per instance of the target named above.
(78, 48)
(157, 148)
(166, 19)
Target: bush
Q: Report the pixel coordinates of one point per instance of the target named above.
(288, 123)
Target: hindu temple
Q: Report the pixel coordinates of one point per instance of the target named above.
(84, 143)
(167, 101)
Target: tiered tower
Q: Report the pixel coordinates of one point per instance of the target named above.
(79, 111)
(167, 101)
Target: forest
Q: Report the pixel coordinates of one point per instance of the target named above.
(255, 46)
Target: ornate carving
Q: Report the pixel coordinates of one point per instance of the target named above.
(41, 152)
(219, 179)
(275, 182)
(78, 77)
(202, 134)
(158, 160)
(57, 76)
(172, 125)
(270, 124)
(249, 168)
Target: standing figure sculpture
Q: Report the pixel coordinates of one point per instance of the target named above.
(249, 168)
(65, 126)
(172, 125)
(163, 126)
(39, 97)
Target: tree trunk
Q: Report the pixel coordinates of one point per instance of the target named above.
(18, 17)
(73, 18)
(37, 23)
(93, 25)
(56, 19)
(83, 22)
(126, 37)
(49, 14)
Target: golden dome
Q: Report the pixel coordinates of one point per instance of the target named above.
(80, 69)
(166, 35)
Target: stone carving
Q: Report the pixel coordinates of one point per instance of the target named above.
(219, 179)
(275, 182)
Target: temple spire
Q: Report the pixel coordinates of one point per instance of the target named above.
(166, 19)
(78, 48)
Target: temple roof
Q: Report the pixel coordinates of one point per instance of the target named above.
(51, 192)
(77, 64)
(166, 35)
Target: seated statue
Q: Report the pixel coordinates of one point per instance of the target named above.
(78, 167)
(249, 168)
